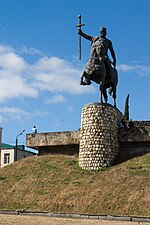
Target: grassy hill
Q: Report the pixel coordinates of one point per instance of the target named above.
(55, 183)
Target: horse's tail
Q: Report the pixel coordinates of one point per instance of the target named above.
(115, 77)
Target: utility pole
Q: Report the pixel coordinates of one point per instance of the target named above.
(16, 148)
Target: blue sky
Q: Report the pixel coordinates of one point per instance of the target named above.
(39, 66)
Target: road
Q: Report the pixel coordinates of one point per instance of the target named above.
(34, 220)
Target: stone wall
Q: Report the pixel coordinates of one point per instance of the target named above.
(137, 133)
(134, 141)
(99, 144)
(44, 141)
(60, 149)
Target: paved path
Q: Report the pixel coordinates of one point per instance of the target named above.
(34, 220)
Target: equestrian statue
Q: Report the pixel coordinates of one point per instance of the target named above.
(100, 69)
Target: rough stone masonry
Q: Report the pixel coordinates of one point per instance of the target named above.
(99, 144)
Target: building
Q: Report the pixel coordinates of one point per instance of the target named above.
(10, 155)
(0, 142)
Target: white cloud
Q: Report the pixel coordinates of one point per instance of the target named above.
(13, 83)
(57, 75)
(140, 70)
(13, 113)
(30, 51)
(55, 99)
(19, 114)
(48, 74)
(14, 86)
(11, 62)
(6, 49)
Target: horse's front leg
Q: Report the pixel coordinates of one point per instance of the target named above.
(82, 76)
(114, 95)
(85, 79)
(115, 103)
(101, 92)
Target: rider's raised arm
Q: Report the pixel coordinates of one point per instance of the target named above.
(88, 37)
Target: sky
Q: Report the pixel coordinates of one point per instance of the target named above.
(40, 70)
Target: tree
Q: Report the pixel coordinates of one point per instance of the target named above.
(126, 109)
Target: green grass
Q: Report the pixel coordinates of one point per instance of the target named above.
(56, 183)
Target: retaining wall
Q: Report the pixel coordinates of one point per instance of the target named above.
(133, 141)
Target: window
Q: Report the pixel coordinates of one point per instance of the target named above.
(6, 158)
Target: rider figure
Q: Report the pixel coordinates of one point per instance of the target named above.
(96, 41)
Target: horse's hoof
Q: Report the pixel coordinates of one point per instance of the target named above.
(110, 90)
(88, 82)
(85, 82)
(82, 83)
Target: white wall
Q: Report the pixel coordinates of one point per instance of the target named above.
(7, 151)
(0, 143)
(20, 155)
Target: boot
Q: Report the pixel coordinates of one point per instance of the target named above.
(87, 81)
(81, 82)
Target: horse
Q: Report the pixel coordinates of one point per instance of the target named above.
(96, 71)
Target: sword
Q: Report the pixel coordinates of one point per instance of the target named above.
(79, 25)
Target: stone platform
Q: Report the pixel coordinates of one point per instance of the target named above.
(99, 144)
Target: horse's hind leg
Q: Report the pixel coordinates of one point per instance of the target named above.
(105, 94)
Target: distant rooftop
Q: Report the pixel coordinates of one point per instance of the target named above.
(19, 147)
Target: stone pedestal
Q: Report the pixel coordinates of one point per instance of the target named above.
(98, 136)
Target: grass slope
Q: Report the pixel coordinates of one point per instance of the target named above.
(55, 183)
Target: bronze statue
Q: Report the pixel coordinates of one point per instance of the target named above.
(99, 68)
